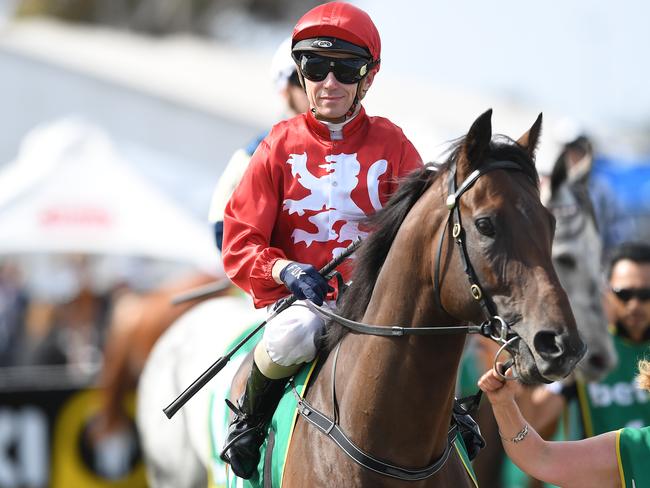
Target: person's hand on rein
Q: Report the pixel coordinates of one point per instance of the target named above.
(498, 390)
(305, 282)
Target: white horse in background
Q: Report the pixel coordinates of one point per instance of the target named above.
(177, 450)
(577, 256)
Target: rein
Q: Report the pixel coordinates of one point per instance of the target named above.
(494, 327)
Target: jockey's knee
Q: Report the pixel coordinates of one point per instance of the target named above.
(291, 338)
(270, 368)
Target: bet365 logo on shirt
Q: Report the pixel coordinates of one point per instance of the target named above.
(622, 394)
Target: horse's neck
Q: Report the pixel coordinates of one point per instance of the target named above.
(400, 389)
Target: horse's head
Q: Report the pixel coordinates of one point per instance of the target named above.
(577, 258)
(505, 239)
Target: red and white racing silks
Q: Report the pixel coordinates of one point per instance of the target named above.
(303, 195)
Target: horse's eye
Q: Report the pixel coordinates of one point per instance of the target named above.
(566, 261)
(485, 227)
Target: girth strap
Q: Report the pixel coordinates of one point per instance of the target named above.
(334, 432)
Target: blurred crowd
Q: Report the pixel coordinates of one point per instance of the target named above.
(58, 312)
(62, 329)
(13, 313)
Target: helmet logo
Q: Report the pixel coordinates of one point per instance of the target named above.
(321, 43)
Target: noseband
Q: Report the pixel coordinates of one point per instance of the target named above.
(493, 327)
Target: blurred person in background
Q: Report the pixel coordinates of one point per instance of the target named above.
(575, 165)
(299, 202)
(284, 75)
(68, 330)
(13, 307)
(615, 401)
(612, 459)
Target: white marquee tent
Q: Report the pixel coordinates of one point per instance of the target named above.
(70, 191)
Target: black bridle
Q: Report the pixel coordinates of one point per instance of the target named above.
(496, 327)
(493, 327)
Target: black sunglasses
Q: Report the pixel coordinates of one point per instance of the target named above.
(315, 67)
(627, 294)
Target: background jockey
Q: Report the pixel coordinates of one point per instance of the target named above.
(299, 203)
(285, 80)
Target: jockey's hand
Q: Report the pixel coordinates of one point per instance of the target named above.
(305, 282)
(498, 390)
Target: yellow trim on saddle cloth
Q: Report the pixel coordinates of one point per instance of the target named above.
(295, 416)
(467, 468)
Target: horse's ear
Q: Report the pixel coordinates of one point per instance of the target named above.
(530, 139)
(477, 141)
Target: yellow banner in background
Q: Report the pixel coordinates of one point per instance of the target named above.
(113, 462)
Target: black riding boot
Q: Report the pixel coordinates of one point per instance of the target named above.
(249, 426)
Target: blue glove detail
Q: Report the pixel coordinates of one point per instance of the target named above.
(305, 282)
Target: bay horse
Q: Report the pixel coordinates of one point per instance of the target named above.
(577, 258)
(476, 216)
(394, 395)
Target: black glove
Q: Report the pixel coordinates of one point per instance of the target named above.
(305, 282)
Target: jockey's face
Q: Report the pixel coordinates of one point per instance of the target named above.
(331, 98)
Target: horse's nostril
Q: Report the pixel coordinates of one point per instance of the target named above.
(597, 361)
(548, 345)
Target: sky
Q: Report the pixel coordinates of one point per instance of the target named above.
(587, 59)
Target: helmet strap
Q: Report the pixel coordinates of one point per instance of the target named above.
(357, 99)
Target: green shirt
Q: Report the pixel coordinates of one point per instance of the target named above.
(616, 401)
(633, 455)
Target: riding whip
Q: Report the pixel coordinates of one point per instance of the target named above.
(218, 365)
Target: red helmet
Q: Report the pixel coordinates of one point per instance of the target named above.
(324, 27)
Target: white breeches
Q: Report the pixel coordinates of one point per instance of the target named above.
(291, 337)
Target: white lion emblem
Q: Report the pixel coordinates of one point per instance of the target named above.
(330, 196)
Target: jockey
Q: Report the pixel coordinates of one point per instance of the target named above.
(284, 76)
(299, 203)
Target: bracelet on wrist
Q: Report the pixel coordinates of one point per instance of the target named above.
(518, 437)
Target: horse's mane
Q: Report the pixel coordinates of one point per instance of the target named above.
(385, 223)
